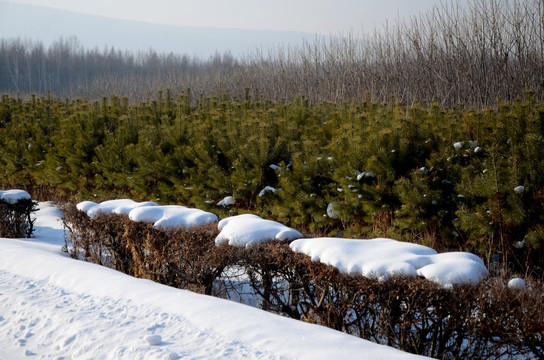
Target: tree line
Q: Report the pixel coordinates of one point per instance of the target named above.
(477, 55)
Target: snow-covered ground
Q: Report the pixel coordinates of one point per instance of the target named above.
(54, 307)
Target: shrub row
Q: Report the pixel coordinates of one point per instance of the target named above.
(15, 219)
(412, 314)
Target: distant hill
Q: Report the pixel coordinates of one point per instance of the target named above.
(49, 24)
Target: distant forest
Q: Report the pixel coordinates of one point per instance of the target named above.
(491, 50)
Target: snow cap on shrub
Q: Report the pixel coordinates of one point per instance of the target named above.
(382, 258)
(171, 216)
(118, 206)
(14, 196)
(248, 230)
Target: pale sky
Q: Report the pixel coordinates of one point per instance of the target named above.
(312, 16)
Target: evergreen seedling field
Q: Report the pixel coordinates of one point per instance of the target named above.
(449, 178)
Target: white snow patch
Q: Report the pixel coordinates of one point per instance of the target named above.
(383, 258)
(333, 214)
(516, 284)
(454, 268)
(163, 217)
(365, 175)
(14, 196)
(247, 230)
(227, 201)
(267, 189)
(85, 206)
(171, 216)
(458, 145)
(118, 206)
(153, 340)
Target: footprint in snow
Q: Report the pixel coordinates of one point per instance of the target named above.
(69, 340)
(29, 353)
(155, 327)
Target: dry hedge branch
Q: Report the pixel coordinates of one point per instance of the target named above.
(16, 220)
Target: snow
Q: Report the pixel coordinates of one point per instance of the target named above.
(473, 144)
(331, 212)
(154, 340)
(227, 201)
(53, 307)
(85, 206)
(119, 206)
(13, 196)
(365, 175)
(458, 145)
(172, 216)
(454, 268)
(267, 189)
(516, 284)
(248, 230)
(382, 258)
(162, 217)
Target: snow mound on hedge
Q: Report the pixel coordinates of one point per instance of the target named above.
(162, 217)
(14, 196)
(118, 206)
(248, 230)
(171, 216)
(382, 258)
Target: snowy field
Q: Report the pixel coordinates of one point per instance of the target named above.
(54, 307)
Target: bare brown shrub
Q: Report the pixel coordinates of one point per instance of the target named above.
(184, 258)
(16, 220)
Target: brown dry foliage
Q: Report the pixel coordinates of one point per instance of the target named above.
(183, 258)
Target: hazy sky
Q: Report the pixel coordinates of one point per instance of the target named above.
(314, 16)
